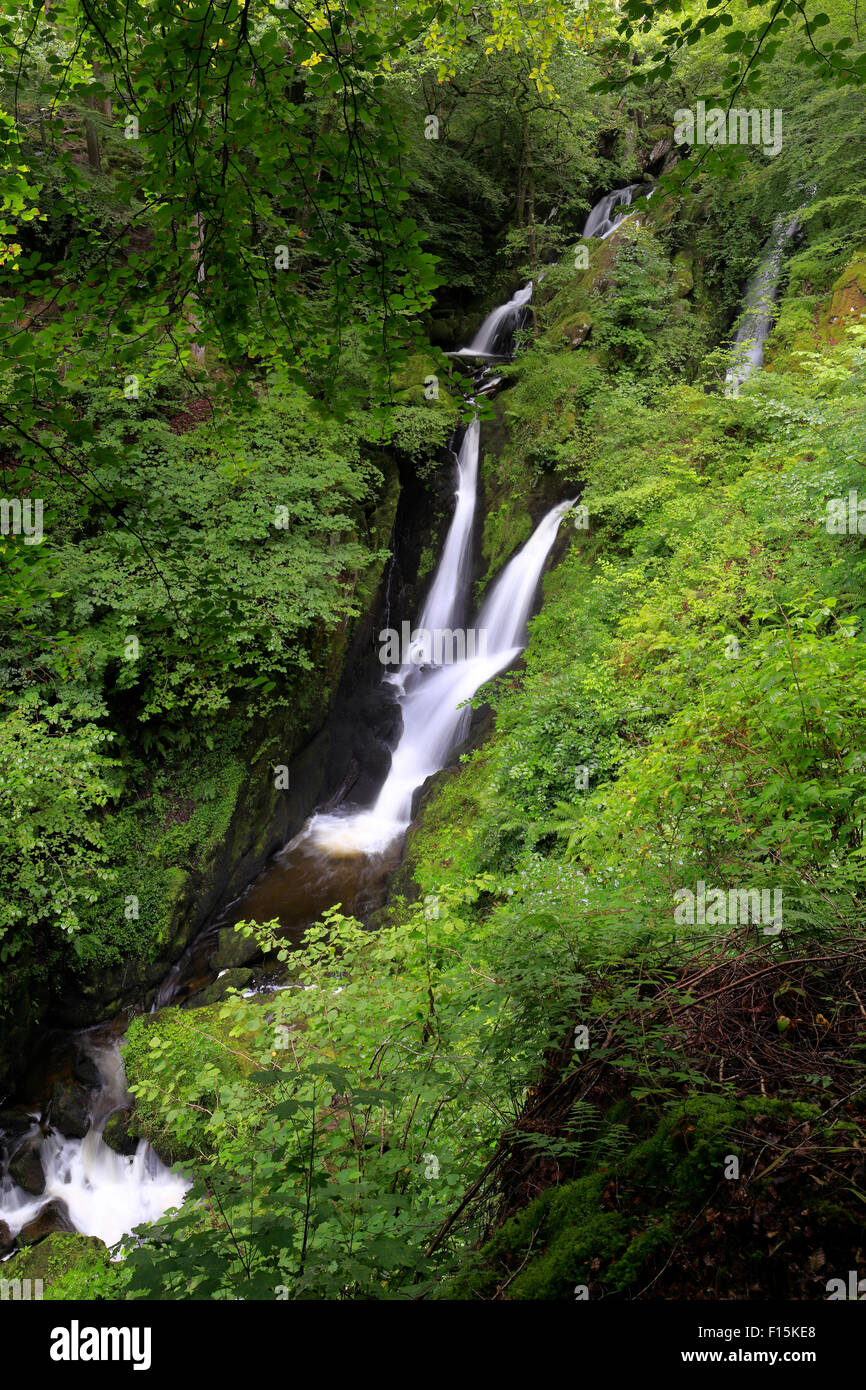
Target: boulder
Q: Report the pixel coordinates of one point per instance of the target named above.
(14, 1122)
(52, 1217)
(233, 950)
(7, 1240)
(69, 1109)
(117, 1133)
(85, 1071)
(212, 993)
(56, 1255)
(25, 1168)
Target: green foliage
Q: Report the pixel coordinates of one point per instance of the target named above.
(71, 1267)
(54, 777)
(574, 1235)
(388, 1072)
(261, 261)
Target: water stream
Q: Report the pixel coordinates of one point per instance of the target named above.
(757, 317)
(604, 217)
(342, 856)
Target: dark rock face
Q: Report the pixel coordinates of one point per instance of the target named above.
(85, 1070)
(14, 1122)
(52, 1217)
(69, 1109)
(117, 1133)
(7, 1240)
(25, 1168)
(232, 950)
(212, 993)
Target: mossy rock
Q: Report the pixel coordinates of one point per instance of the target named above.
(119, 1132)
(685, 280)
(604, 1230)
(808, 321)
(69, 1265)
(25, 1168)
(233, 950)
(187, 1042)
(218, 989)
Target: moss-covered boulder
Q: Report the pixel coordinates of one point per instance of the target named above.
(218, 988)
(25, 1168)
(119, 1132)
(69, 1266)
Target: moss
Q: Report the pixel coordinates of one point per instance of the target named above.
(70, 1266)
(683, 274)
(608, 1228)
(808, 320)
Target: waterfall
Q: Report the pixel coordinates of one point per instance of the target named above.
(444, 603)
(434, 724)
(603, 219)
(434, 697)
(505, 611)
(756, 319)
(106, 1194)
(498, 328)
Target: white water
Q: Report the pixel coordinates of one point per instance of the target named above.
(498, 326)
(444, 603)
(435, 700)
(603, 219)
(433, 723)
(757, 316)
(106, 1194)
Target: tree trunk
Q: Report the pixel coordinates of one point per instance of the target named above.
(94, 158)
(196, 349)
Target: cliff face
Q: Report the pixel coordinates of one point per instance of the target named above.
(206, 848)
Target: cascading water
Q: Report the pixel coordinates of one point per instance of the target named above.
(443, 605)
(756, 319)
(434, 696)
(493, 338)
(604, 219)
(435, 718)
(105, 1194)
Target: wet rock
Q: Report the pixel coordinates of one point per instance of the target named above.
(212, 993)
(85, 1070)
(56, 1255)
(25, 1168)
(52, 1217)
(117, 1133)
(660, 150)
(14, 1122)
(233, 950)
(7, 1240)
(69, 1109)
